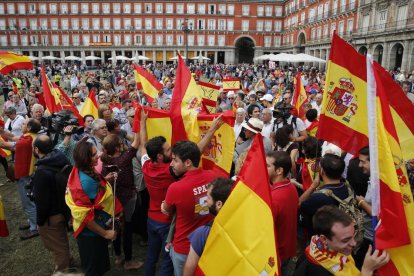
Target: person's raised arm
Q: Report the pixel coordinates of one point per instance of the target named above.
(217, 123)
(143, 132)
(136, 142)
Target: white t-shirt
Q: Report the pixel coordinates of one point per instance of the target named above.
(16, 125)
(300, 126)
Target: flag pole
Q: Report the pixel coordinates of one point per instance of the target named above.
(373, 143)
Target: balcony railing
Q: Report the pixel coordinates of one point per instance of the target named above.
(400, 25)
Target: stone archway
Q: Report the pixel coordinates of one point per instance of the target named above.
(301, 42)
(396, 55)
(378, 53)
(363, 50)
(244, 50)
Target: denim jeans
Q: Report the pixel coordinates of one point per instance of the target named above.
(178, 261)
(29, 206)
(157, 235)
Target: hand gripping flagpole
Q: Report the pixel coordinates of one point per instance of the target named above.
(114, 193)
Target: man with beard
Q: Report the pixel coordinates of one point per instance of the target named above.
(158, 176)
(217, 193)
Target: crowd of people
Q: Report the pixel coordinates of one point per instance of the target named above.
(119, 182)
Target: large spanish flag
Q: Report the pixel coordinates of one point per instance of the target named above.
(299, 98)
(185, 105)
(150, 85)
(158, 122)
(218, 154)
(242, 239)
(4, 231)
(10, 61)
(50, 95)
(210, 94)
(392, 197)
(90, 106)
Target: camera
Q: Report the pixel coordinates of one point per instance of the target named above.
(29, 187)
(282, 111)
(62, 119)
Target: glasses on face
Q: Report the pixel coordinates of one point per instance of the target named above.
(231, 98)
(131, 116)
(75, 97)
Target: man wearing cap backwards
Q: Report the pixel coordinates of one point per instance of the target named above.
(267, 101)
(250, 129)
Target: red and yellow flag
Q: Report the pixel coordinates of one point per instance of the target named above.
(10, 61)
(210, 94)
(185, 105)
(243, 231)
(150, 85)
(395, 231)
(4, 231)
(231, 84)
(158, 122)
(299, 98)
(90, 106)
(24, 159)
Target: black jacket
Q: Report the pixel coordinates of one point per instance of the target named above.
(45, 186)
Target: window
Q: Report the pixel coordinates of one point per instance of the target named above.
(211, 9)
(200, 24)
(33, 24)
(350, 26)
(85, 8)
(230, 9)
(2, 24)
(326, 10)
(106, 8)
(170, 40)
(116, 8)
(179, 23)
(127, 40)
(221, 40)
(12, 24)
(277, 41)
(137, 8)
(211, 40)
(201, 9)
(381, 19)
(117, 24)
(311, 15)
(320, 12)
(117, 40)
(222, 9)
(64, 8)
(190, 40)
(351, 4)
(211, 24)
(10, 8)
(278, 11)
(96, 38)
(127, 24)
(13, 40)
(138, 23)
(268, 25)
(365, 23)
(319, 32)
(158, 8)
(260, 11)
(127, 8)
(326, 31)
(75, 40)
(230, 24)
(85, 23)
(333, 28)
(85, 39)
(23, 40)
(45, 40)
(341, 28)
(278, 26)
(190, 8)
(200, 40)
(54, 24)
(148, 24)
(158, 40)
(138, 40)
(169, 23)
(169, 8)
(107, 38)
(158, 24)
(53, 8)
(313, 33)
(148, 39)
(34, 39)
(22, 9)
(96, 23)
(267, 41)
(180, 40)
(245, 25)
(23, 23)
(180, 8)
(42, 9)
(74, 8)
(343, 5)
(334, 6)
(75, 24)
(3, 40)
(32, 9)
(269, 10)
(43, 24)
(402, 16)
(148, 7)
(245, 10)
(55, 40)
(259, 25)
(95, 8)
(222, 24)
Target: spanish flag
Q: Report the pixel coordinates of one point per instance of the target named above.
(392, 197)
(299, 98)
(150, 85)
(210, 94)
(90, 106)
(312, 129)
(4, 231)
(185, 105)
(24, 159)
(10, 61)
(3, 152)
(231, 84)
(158, 122)
(310, 169)
(81, 207)
(242, 237)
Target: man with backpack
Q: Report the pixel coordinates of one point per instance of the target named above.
(49, 186)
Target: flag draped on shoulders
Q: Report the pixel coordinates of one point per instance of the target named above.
(242, 239)
(10, 61)
(24, 159)
(90, 106)
(185, 105)
(82, 209)
(150, 85)
(4, 231)
(392, 197)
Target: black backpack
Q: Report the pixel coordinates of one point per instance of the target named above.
(61, 180)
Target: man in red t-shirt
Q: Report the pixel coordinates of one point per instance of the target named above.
(285, 204)
(188, 198)
(158, 176)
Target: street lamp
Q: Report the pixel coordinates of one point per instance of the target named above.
(186, 28)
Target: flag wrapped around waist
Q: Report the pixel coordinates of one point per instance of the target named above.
(81, 207)
(4, 231)
(10, 61)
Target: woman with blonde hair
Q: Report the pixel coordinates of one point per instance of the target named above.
(104, 112)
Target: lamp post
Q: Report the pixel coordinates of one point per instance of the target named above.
(186, 28)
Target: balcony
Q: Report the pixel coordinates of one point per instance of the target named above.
(395, 26)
